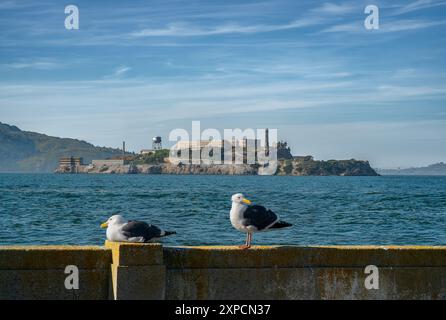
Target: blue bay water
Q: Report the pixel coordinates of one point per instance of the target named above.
(67, 209)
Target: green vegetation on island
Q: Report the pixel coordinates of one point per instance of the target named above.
(307, 166)
(156, 157)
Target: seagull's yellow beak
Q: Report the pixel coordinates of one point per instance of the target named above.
(246, 201)
(104, 225)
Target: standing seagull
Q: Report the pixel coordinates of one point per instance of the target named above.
(252, 218)
(121, 230)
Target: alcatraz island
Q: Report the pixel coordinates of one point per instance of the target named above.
(160, 161)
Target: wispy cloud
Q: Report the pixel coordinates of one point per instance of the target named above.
(121, 70)
(43, 64)
(346, 27)
(410, 91)
(10, 4)
(389, 26)
(418, 5)
(335, 9)
(187, 30)
(404, 25)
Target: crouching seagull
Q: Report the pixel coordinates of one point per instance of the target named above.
(252, 218)
(121, 230)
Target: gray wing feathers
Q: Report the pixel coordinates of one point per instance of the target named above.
(141, 229)
(259, 217)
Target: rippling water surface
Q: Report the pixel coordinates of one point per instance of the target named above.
(67, 209)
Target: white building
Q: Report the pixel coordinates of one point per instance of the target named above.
(241, 151)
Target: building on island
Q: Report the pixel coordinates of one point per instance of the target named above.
(156, 143)
(71, 164)
(108, 162)
(237, 151)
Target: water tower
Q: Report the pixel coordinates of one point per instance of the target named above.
(156, 143)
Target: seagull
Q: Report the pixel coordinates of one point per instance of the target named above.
(252, 218)
(121, 230)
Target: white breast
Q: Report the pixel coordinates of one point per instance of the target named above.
(114, 234)
(236, 216)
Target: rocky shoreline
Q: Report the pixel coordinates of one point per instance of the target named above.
(298, 166)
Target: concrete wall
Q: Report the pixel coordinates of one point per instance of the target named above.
(151, 271)
(335, 272)
(106, 163)
(38, 272)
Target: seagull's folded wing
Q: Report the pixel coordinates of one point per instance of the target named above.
(259, 217)
(135, 229)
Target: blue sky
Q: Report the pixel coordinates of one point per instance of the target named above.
(308, 68)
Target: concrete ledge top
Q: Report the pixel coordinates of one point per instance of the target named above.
(177, 257)
(341, 247)
(62, 247)
(309, 256)
(53, 257)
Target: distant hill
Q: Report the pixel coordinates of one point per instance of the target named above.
(23, 151)
(437, 169)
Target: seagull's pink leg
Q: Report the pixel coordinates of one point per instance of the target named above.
(249, 240)
(245, 246)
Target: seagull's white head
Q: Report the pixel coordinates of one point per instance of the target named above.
(113, 220)
(239, 198)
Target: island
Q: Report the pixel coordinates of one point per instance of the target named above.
(158, 162)
(24, 151)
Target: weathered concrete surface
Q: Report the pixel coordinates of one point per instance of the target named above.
(290, 272)
(150, 271)
(139, 282)
(50, 257)
(135, 254)
(303, 283)
(138, 272)
(295, 256)
(49, 285)
(38, 272)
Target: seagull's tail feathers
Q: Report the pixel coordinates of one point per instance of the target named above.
(280, 224)
(168, 233)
